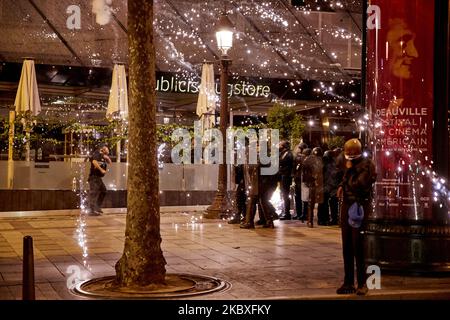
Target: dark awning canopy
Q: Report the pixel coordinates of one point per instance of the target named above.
(273, 38)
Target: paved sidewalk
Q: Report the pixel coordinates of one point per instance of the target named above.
(288, 262)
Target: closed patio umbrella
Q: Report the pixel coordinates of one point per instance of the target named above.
(206, 104)
(118, 100)
(27, 102)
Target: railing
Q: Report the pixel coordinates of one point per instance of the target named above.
(59, 175)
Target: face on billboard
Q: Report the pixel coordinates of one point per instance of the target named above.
(400, 75)
(402, 50)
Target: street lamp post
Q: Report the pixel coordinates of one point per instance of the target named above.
(311, 124)
(222, 205)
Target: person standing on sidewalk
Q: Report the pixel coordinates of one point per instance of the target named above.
(240, 194)
(97, 189)
(251, 177)
(286, 166)
(330, 205)
(313, 179)
(299, 157)
(355, 195)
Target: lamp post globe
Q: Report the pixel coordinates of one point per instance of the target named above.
(224, 35)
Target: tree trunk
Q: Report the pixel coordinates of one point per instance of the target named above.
(142, 262)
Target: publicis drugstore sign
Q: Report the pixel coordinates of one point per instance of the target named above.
(400, 61)
(169, 82)
(256, 87)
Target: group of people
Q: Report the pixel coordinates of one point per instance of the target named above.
(339, 181)
(316, 176)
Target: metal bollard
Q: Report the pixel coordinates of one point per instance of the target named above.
(28, 292)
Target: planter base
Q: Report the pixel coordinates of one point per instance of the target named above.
(177, 286)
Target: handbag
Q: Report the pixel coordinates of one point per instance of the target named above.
(305, 192)
(355, 215)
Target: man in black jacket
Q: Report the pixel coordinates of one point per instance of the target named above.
(97, 189)
(285, 174)
(356, 187)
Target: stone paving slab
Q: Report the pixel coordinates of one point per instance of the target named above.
(288, 262)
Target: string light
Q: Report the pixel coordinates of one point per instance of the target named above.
(183, 47)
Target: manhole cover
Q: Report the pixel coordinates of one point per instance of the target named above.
(177, 286)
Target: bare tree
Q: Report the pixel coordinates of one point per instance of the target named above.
(142, 262)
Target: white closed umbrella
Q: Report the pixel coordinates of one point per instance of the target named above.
(118, 100)
(118, 95)
(206, 104)
(27, 100)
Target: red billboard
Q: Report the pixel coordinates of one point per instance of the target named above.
(399, 98)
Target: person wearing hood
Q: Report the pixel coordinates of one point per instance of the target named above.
(355, 196)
